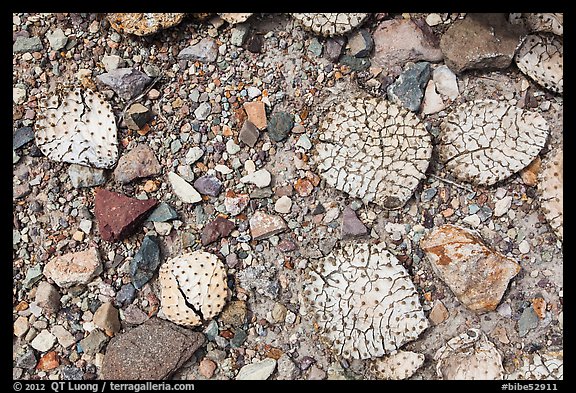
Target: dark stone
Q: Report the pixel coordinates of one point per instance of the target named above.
(23, 44)
(208, 185)
(72, 373)
(408, 89)
(361, 43)
(151, 351)
(27, 360)
(219, 228)
(137, 163)
(145, 262)
(117, 215)
(239, 337)
(22, 136)
(355, 63)
(249, 133)
(125, 295)
(333, 48)
(279, 125)
(254, 43)
(319, 209)
(137, 116)
(305, 362)
(164, 212)
(528, 321)
(126, 82)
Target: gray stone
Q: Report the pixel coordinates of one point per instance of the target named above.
(249, 133)
(481, 41)
(145, 262)
(33, 275)
(22, 136)
(26, 360)
(151, 351)
(112, 62)
(211, 330)
(57, 39)
(428, 194)
(125, 294)
(315, 47)
(84, 176)
(137, 163)
(361, 43)
(208, 185)
(279, 125)
(408, 89)
(164, 212)
(72, 373)
(48, 297)
(126, 82)
(137, 116)
(205, 51)
(239, 337)
(133, 315)
(239, 34)
(528, 321)
(333, 48)
(355, 63)
(183, 189)
(203, 111)
(287, 369)
(257, 371)
(351, 225)
(94, 342)
(175, 146)
(44, 341)
(64, 337)
(193, 155)
(19, 95)
(24, 44)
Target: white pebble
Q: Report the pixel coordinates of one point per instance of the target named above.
(524, 247)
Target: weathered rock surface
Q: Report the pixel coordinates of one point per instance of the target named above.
(257, 371)
(126, 82)
(145, 262)
(74, 268)
(217, 229)
(137, 163)
(143, 24)
(264, 225)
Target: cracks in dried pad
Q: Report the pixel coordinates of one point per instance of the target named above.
(541, 58)
(193, 288)
(551, 187)
(484, 141)
(545, 366)
(330, 24)
(363, 302)
(542, 22)
(78, 128)
(373, 150)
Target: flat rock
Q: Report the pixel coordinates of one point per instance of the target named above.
(258, 371)
(21, 326)
(264, 225)
(208, 185)
(26, 360)
(360, 43)
(261, 178)
(143, 24)
(217, 229)
(194, 154)
(205, 51)
(93, 342)
(163, 212)
(279, 125)
(445, 82)
(44, 341)
(137, 163)
(333, 48)
(107, 318)
(22, 136)
(48, 362)
(136, 116)
(112, 62)
(398, 41)
(351, 225)
(146, 261)
(283, 205)
(480, 42)
(118, 216)
(249, 133)
(256, 113)
(84, 176)
(203, 111)
(439, 313)
(57, 39)
(408, 90)
(65, 338)
(235, 313)
(528, 321)
(126, 82)
(235, 203)
(432, 101)
(183, 189)
(475, 273)
(25, 44)
(74, 268)
(47, 297)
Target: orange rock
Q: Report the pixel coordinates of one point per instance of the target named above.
(48, 362)
(314, 178)
(256, 112)
(539, 306)
(21, 306)
(303, 187)
(206, 368)
(274, 353)
(529, 174)
(150, 186)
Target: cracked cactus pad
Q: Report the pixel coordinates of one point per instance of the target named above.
(541, 58)
(193, 288)
(363, 302)
(79, 128)
(551, 188)
(484, 141)
(373, 150)
(544, 22)
(329, 24)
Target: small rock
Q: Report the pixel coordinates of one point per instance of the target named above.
(65, 338)
(360, 43)
(303, 187)
(205, 51)
(239, 34)
(355, 63)
(304, 142)
(33, 275)
(239, 338)
(74, 268)
(235, 313)
(18, 95)
(333, 48)
(439, 313)
(235, 203)
(94, 342)
(286, 245)
(231, 147)
(263, 225)
(106, 318)
(206, 368)
(279, 313)
(408, 89)
(71, 373)
(193, 155)
(145, 262)
(126, 82)
(211, 330)
(203, 111)
(529, 174)
(125, 294)
(524, 247)
(249, 133)
(315, 47)
(432, 102)
(351, 225)
(316, 374)
(279, 125)
(472, 220)
(283, 205)
(25, 44)
(137, 116)
(133, 315)
(57, 39)
(261, 178)
(208, 185)
(502, 206)
(26, 360)
(118, 216)
(257, 371)
(183, 189)
(287, 369)
(84, 176)
(445, 81)
(112, 62)
(164, 212)
(253, 92)
(255, 43)
(217, 229)
(428, 194)
(48, 297)
(20, 326)
(48, 362)
(137, 163)
(256, 113)
(44, 341)
(433, 19)
(22, 136)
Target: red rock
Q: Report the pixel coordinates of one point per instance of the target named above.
(48, 362)
(303, 187)
(207, 368)
(215, 230)
(287, 245)
(117, 215)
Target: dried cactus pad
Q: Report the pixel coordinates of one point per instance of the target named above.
(142, 24)
(329, 24)
(193, 288)
(469, 356)
(484, 141)
(363, 302)
(397, 366)
(541, 58)
(546, 366)
(373, 150)
(78, 128)
(543, 22)
(552, 190)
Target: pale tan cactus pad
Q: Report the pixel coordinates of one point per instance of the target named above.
(541, 57)
(542, 22)
(551, 187)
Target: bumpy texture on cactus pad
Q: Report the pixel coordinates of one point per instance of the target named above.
(329, 24)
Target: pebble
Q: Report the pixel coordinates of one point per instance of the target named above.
(203, 111)
(249, 133)
(205, 51)
(255, 43)
(57, 39)
(316, 374)
(239, 338)
(360, 43)
(235, 203)
(193, 155)
(137, 116)
(22, 136)
(445, 82)
(48, 298)
(145, 262)
(65, 338)
(18, 95)
(163, 212)
(25, 44)
(355, 63)
(208, 185)
(264, 225)
(439, 313)
(528, 321)
(44, 341)
(261, 178)
(26, 360)
(408, 89)
(82, 176)
(260, 370)
(304, 142)
(253, 92)
(351, 225)
(183, 190)
(239, 34)
(428, 194)
(283, 205)
(72, 373)
(217, 229)
(256, 113)
(33, 275)
(472, 220)
(107, 318)
(433, 19)
(94, 342)
(502, 206)
(125, 295)
(133, 315)
(138, 163)
(303, 187)
(432, 101)
(74, 268)
(287, 369)
(279, 312)
(223, 169)
(126, 82)
(333, 48)
(206, 368)
(112, 62)
(524, 247)
(315, 47)
(20, 326)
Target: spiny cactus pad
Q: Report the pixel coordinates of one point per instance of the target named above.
(329, 24)
(540, 22)
(397, 366)
(485, 141)
(546, 366)
(79, 128)
(541, 57)
(363, 301)
(193, 288)
(551, 188)
(373, 150)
